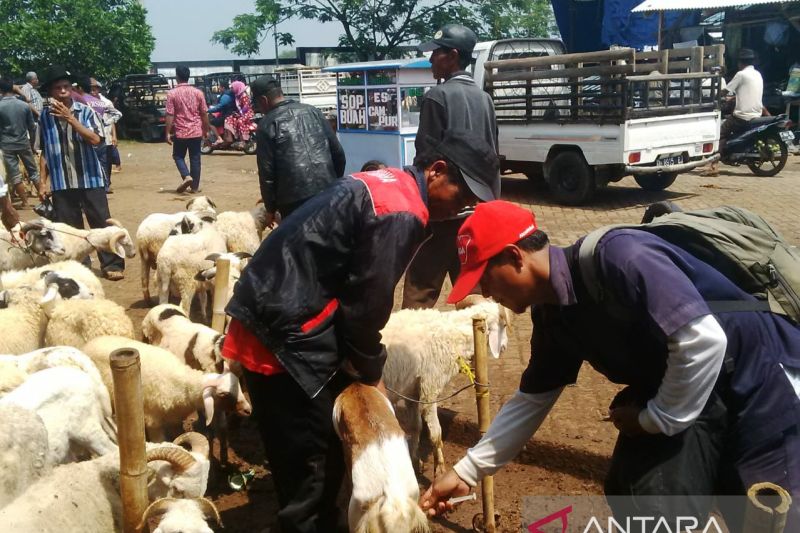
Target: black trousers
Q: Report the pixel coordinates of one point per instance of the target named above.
(675, 476)
(305, 455)
(436, 258)
(71, 205)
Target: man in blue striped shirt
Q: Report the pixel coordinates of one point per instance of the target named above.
(68, 133)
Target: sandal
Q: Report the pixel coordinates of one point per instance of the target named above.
(187, 182)
(114, 275)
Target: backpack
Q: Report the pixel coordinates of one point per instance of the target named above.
(738, 243)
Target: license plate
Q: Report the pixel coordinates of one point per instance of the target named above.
(669, 161)
(786, 136)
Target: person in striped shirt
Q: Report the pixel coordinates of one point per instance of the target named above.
(68, 133)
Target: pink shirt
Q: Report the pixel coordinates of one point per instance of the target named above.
(187, 105)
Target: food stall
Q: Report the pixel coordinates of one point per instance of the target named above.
(378, 104)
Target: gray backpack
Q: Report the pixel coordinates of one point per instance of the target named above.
(739, 244)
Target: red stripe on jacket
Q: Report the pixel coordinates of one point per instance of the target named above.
(393, 191)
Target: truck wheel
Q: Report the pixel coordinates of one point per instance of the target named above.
(570, 178)
(656, 182)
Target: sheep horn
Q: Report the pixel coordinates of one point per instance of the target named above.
(469, 301)
(260, 201)
(209, 510)
(211, 203)
(32, 225)
(48, 301)
(213, 257)
(114, 222)
(155, 509)
(113, 242)
(177, 456)
(242, 255)
(197, 442)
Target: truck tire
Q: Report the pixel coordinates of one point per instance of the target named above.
(656, 182)
(570, 178)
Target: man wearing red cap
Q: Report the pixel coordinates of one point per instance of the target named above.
(711, 404)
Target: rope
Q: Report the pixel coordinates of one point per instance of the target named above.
(16, 244)
(463, 368)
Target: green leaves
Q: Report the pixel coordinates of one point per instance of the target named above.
(376, 28)
(102, 38)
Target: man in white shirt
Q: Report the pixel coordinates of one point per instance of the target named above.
(748, 87)
(711, 400)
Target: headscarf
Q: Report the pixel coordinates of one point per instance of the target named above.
(239, 90)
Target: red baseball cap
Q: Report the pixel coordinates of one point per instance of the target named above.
(484, 234)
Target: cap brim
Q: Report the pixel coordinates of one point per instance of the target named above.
(466, 282)
(430, 46)
(479, 188)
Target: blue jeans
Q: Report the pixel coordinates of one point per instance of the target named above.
(179, 148)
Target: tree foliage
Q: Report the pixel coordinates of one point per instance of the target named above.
(102, 38)
(375, 29)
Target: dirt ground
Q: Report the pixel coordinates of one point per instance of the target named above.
(571, 451)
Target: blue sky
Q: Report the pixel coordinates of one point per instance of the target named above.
(183, 29)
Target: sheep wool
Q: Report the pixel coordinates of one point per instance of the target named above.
(22, 321)
(33, 277)
(243, 229)
(76, 322)
(23, 458)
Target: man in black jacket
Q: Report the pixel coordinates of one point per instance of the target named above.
(314, 299)
(458, 103)
(298, 152)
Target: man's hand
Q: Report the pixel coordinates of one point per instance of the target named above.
(626, 420)
(42, 190)
(61, 111)
(434, 500)
(8, 214)
(168, 138)
(271, 219)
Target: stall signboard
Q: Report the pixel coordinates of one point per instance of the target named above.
(382, 77)
(352, 109)
(382, 109)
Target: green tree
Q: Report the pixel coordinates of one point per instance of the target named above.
(248, 31)
(375, 29)
(102, 38)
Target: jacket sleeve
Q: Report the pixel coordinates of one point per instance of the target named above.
(265, 154)
(366, 302)
(337, 152)
(432, 123)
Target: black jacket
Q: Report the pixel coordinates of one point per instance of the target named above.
(320, 289)
(298, 154)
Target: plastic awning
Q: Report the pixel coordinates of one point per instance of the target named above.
(685, 5)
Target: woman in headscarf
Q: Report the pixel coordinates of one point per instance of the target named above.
(240, 123)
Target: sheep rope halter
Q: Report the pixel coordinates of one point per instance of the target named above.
(21, 245)
(84, 237)
(463, 368)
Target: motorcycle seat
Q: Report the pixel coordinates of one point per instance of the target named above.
(760, 121)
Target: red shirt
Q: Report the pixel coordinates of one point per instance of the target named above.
(187, 105)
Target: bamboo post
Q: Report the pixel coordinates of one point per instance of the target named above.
(220, 294)
(221, 291)
(484, 414)
(767, 508)
(126, 373)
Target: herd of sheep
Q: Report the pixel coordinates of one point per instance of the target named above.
(59, 466)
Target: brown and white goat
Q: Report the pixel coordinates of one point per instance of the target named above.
(384, 488)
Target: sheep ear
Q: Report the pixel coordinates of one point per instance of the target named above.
(213, 257)
(186, 225)
(206, 275)
(212, 204)
(209, 219)
(3, 299)
(208, 404)
(243, 255)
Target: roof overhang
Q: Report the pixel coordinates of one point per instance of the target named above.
(649, 6)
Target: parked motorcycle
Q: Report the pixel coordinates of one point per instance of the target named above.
(215, 135)
(762, 146)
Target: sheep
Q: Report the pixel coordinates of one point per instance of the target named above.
(384, 488)
(201, 204)
(22, 321)
(181, 258)
(71, 406)
(34, 277)
(85, 496)
(23, 441)
(37, 247)
(171, 390)
(181, 515)
(243, 229)
(423, 347)
(75, 322)
(197, 345)
(156, 228)
(80, 243)
(206, 277)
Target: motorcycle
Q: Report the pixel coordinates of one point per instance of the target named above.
(216, 133)
(762, 145)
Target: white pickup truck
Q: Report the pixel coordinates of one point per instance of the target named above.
(580, 121)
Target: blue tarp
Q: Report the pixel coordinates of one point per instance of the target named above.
(588, 25)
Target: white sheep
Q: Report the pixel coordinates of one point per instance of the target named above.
(80, 243)
(75, 322)
(156, 228)
(173, 515)
(423, 348)
(384, 491)
(71, 406)
(206, 277)
(180, 259)
(23, 442)
(38, 246)
(197, 345)
(85, 496)
(22, 320)
(34, 277)
(201, 203)
(243, 229)
(171, 390)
